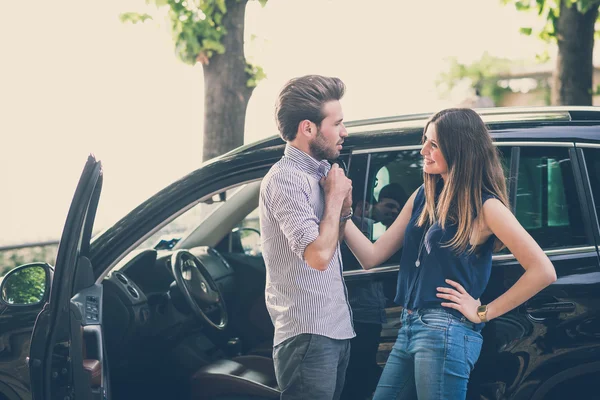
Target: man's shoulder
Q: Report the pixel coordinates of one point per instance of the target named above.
(282, 170)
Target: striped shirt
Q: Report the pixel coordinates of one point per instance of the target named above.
(300, 299)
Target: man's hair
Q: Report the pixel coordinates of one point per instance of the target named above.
(303, 98)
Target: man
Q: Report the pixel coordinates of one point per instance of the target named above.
(304, 204)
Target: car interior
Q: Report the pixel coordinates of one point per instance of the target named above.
(189, 320)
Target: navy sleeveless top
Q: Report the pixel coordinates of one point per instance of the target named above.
(417, 286)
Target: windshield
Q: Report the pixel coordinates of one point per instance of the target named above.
(166, 237)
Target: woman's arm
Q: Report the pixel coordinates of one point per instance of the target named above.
(373, 254)
(539, 271)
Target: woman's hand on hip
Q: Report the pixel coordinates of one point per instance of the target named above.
(460, 300)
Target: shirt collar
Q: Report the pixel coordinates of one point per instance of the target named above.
(306, 163)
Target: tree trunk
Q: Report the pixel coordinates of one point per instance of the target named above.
(226, 93)
(572, 78)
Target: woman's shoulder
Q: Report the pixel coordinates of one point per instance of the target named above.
(419, 194)
(485, 205)
(417, 199)
(487, 195)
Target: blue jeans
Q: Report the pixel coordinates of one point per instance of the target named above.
(432, 359)
(311, 367)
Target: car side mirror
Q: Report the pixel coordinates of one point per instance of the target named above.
(249, 239)
(26, 285)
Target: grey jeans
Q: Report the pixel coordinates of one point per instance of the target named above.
(311, 366)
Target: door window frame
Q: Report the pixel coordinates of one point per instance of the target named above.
(589, 194)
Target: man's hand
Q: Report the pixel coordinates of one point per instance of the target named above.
(336, 186)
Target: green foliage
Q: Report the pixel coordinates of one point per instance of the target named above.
(255, 74)
(25, 286)
(13, 258)
(134, 17)
(526, 31)
(522, 5)
(482, 75)
(583, 6)
(198, 30)
(543, 57)
(549, 10)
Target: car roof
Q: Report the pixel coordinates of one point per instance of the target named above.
(505, 123)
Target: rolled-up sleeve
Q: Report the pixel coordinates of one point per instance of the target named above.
(288, 197)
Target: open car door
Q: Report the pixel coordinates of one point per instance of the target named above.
(67, 358)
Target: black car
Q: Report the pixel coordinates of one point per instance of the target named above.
(169, 302)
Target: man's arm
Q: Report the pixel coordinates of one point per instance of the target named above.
(318, 254)
(287, 195)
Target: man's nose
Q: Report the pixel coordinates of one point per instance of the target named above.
(343, 132)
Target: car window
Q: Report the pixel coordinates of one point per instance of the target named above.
(245, 237)
(381, 182)
(169, 234)
(547, 204)
(393, 177)
(592, 160)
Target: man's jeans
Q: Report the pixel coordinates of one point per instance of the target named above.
(311, 367)
(432, 358)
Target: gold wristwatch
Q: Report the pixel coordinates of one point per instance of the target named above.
(482, 313)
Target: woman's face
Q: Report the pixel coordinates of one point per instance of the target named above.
(434, 162)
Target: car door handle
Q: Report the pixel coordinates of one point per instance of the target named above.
(551, 308)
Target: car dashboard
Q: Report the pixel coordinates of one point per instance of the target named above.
(144, 307)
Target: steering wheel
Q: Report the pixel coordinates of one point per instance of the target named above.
(198, 288)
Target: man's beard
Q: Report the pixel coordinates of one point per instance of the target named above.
(320, 149)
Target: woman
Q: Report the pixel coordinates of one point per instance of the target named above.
(448, 229)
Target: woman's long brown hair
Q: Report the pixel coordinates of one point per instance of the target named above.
(473, 167)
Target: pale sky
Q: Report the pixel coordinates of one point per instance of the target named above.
(74, 80)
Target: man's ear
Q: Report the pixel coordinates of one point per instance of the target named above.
(307, 128)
